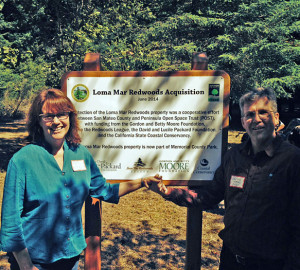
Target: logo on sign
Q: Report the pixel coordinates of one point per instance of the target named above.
(139, 165)
(213, 92)
(80, 93)
(203, 167)
(174, 166)
(204, 162)
(108, 166)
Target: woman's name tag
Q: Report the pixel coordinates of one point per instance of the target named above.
(78, 165)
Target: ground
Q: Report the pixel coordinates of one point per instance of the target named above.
(143, 231)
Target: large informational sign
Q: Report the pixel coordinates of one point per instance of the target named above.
(143, 123)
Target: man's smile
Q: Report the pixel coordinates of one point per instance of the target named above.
(258, 128)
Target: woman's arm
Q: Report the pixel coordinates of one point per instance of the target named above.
(127, 187)
(24, 260)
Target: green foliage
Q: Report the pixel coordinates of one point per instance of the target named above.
(19, 84)
(256, 42)
(262, 48)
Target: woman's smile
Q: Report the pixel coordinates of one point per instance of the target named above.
(55, 129)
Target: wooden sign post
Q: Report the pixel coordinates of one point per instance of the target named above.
(194, 214)
(92, 253)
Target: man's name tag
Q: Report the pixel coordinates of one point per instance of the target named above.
(78, 165)
(237, 181)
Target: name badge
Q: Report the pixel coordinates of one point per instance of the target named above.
(237, 181)
(78, 165)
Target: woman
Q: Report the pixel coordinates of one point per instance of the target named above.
(46, 185)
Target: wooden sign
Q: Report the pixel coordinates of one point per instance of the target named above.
(137, 123)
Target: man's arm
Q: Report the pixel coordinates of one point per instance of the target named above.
(180, 196)
(293, 254)
(207, 196)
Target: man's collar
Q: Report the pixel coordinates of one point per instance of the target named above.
(247, 149)
(271, 151)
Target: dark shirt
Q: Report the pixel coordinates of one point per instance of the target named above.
(262, 201)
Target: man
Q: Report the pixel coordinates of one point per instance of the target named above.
(259, 180)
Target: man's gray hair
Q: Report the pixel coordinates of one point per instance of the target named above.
(256, 94)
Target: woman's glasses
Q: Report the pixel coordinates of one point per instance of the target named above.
(49, 117)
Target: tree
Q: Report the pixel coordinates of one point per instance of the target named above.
(261, 47)
(21, 84)
(256, 42)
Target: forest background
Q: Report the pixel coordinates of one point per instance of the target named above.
(255, 41)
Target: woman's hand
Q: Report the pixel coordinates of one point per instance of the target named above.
(151, 180)
(159, 188)
(24, 260)
(127, 187)
(155, 184)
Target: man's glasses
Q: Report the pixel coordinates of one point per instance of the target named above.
(262, 114)
(49, 117)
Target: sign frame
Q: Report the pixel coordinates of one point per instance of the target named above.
(183, 73)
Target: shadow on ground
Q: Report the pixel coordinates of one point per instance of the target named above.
(146, 250)
(12, 138)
